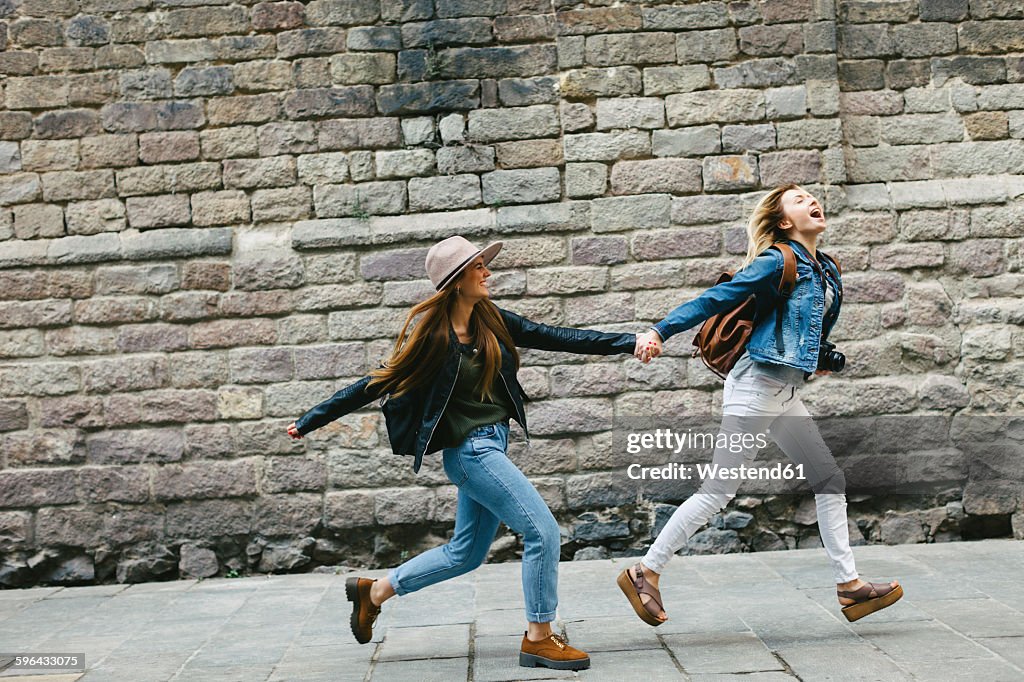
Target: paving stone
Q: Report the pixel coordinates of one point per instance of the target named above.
(409, 643)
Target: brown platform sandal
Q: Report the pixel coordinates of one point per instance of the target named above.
(364, 612)
(648, 612)
(868, 598)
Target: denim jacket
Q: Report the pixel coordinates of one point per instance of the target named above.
(787, 330)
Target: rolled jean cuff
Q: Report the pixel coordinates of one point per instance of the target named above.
(396, 584)
(534, 617)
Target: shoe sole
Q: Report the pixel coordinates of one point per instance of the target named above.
(352, 593)
(866, 608)
(626, 585)
(533, 661)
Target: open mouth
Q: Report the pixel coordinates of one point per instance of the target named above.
(816, 213)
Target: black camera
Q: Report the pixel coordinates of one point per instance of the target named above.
(829, 359)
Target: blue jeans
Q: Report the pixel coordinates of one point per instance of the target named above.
(491, 490)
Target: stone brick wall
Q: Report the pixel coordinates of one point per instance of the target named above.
(213, 216)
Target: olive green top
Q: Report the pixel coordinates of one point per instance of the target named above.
(466, 410)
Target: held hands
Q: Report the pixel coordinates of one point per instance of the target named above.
(648, 346)
(293, 431)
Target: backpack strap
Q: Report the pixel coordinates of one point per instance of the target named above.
(786, 285)
(788, 280)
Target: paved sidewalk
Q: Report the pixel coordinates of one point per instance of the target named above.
(752, 617)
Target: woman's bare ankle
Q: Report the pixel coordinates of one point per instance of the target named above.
(851, 585)
(381, 591)
(651, 576)
(538, 631)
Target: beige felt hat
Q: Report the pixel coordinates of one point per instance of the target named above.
(448, 258)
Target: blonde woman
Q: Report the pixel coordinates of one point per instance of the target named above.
(451, 385)
(787, 345)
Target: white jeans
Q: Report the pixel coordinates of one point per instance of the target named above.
(751, 404)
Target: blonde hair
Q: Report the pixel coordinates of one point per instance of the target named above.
(419, 354)
(763, 227)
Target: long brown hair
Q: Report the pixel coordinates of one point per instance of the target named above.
(419, 354)
(763, 228)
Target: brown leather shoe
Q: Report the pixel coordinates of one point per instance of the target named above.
(552, 652)
(364, 612)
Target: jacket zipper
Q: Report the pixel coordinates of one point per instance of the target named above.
(450, 391)
(521, 417)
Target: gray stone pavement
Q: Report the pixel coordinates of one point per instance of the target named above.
(752, 617)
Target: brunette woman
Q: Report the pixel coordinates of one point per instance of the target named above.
(790, 333)
(451, 385)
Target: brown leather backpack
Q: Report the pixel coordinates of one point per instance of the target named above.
(720, 341)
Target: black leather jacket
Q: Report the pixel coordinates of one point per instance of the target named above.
(412, 417)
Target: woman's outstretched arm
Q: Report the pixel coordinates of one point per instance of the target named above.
(348, 399)
(529, 334)
(762, 276)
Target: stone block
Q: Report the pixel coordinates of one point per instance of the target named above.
(521, 186)
(695, 141)
(636, 112)
(718, 106)
(145, 279)
(277, 16)
(428, 98)
(529, 153)
(666, 80)
(220, 208)
(489, 125)
(715, 45)
(173, 177)
(745, 138)
(243, 109)
(356, 68)
(224, 143)
(676, 176)
(93, 217)
(35, 488)
(615, 81)
(321, 169)
(585, 180)
(156, 445)
(729, 173)
(404, 163)
(614, 214)
(367, 198)
(158, 211)
(521, 92)
(355, 100)
(372, 38)
(418, 131)
(465, 159)
(73, 185)
(45, 313)
(446, 32)
(991, 37)
(230, 333)
(627, 144)
(758, 73)
(206, 481)
(33, 221)
(631, 48)
(310, 41)
(987, 125)
(771, 40)
(809, 133)
(176, 243)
